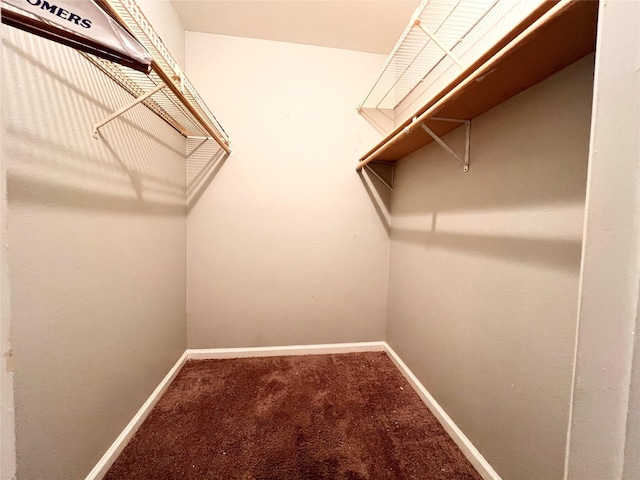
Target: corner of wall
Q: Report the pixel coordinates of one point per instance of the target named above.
(167, 24)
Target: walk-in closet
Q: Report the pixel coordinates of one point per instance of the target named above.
(320, 239)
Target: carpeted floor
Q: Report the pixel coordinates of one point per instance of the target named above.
(351, 417)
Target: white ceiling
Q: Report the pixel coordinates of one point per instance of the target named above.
(364, 25)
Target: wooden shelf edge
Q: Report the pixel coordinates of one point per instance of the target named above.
(563, 40)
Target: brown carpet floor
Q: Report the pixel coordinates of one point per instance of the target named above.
(351, 417)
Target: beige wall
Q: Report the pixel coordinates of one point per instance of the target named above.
(285, 245)
(96, 249)
(484, 272)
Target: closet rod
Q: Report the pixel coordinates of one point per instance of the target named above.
(164, 77)
(485, 69)
(178, 93)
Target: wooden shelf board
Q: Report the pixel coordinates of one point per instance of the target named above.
(561, 42)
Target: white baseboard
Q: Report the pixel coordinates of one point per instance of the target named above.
(116, 448)
(465, 445)
(323, 349)
(473, 455)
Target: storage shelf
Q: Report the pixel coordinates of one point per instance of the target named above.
(549, 39)
(179, 104)
(153, 77)
(416, 54)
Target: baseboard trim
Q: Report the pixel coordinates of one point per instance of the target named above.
(322, 349)
(468, 449)
(116, 448)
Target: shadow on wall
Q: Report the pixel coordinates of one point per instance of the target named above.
(512, 168)
(553, 254)
(380, 196)
(523, 198)
(137, 165)
(204, 160)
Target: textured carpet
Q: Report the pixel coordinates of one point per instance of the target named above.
(350, 416)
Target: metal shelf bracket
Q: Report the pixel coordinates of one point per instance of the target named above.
(447, 52)
(113, 116)
(467, 147)
(383, 171)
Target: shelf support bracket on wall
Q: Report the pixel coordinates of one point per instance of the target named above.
(447, 52)
(467, 147)
(113, 116)
(384, 172)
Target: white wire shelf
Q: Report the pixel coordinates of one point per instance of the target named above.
(179, 104)
(550, 37)
(435, 29)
